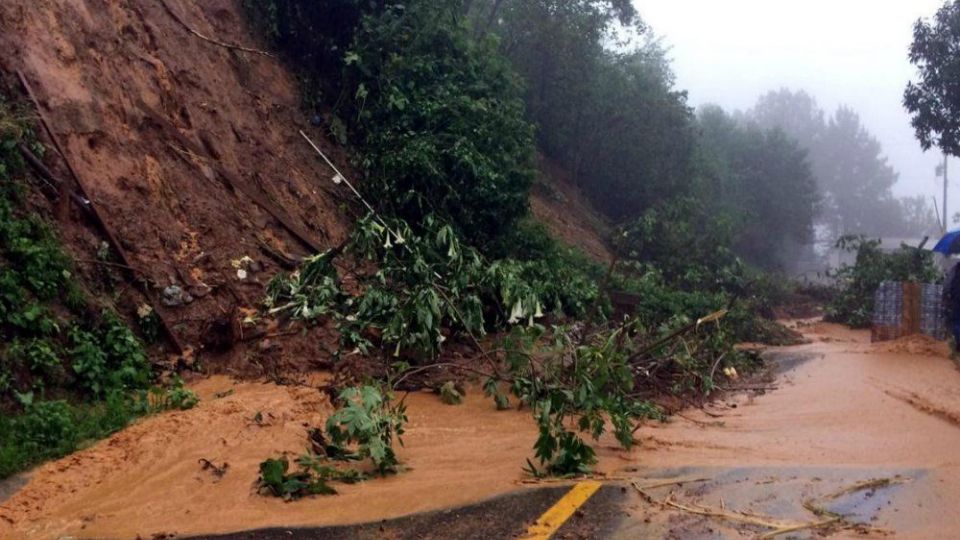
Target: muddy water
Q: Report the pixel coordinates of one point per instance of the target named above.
(851, 411)
(147, 480)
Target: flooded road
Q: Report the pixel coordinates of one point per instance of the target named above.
(844, 412)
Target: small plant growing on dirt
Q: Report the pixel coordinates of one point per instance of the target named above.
(173, 396)
(450, 394)
(365, 426)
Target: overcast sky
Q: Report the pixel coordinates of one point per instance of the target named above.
(850, 52)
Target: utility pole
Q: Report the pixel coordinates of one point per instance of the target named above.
(944, 192)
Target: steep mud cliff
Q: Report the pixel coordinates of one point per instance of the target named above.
(188, 148)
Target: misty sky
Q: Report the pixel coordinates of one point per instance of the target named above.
(841, 51)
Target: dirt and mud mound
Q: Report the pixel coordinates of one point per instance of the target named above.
(189, 149)
(917, 344)
(567, 213)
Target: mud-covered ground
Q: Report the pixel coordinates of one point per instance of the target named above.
(843, 411)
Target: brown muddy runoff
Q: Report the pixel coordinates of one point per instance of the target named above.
(854, 410)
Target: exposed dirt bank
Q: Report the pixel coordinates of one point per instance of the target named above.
(148, 114)
(567, 212)
(849, 412)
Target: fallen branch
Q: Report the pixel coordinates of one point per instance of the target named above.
(440, 365)
(768, 522)
(800, 527)
(866, 484)
(779, 526)
(207, 39)
(673, 482)
(700, 423)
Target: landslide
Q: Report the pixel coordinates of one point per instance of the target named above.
(556, 201)
(182, 144)
(189, 149)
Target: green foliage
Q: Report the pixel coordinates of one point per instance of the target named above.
(438, 120)
(108, 358)
(934, 100)
(682, 240)
(313, 477)
(365, 425)
(172, 396)
(757, 187)
(852, 302)
(426, 285)
(52, 429)
(436, 116)
(449, 393)
(46, 424)
(853, 178)
(601, 92)
(275, 478)
(588, 381)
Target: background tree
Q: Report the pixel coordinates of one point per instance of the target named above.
(934, 100)
(605, 111)
(853, 176)
(761, 180)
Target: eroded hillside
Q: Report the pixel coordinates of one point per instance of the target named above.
(189, 149)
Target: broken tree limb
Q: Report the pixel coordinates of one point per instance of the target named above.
(97, 217)
(190, 29)
(866, 484)
(51, 180)
(801, 526)
(64, 189)
(779, 526)
(285, 262)
(674, 482)
(712, 317)
(340, 175)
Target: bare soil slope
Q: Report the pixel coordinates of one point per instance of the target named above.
(567, 213)
(147, 113)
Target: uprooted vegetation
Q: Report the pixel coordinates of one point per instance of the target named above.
(71, 370)
(445, 256)
(419, 292)
(362, 429)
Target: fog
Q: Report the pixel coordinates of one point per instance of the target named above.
(850, 52)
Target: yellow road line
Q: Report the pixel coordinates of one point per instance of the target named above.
(554, 518)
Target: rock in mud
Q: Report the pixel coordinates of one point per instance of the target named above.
(174, 296)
